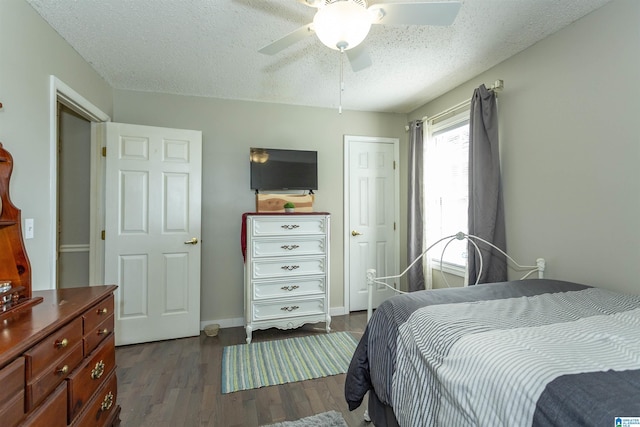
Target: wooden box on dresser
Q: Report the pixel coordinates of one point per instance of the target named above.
(286, 280)
(57, 361)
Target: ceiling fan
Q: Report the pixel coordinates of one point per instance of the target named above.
(343, 24)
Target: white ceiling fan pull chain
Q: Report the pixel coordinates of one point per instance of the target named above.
(341, 78)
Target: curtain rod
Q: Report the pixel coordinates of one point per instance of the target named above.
(497, 86)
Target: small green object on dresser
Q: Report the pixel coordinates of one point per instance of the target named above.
(289, 207)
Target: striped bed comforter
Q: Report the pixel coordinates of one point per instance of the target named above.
(535, 352)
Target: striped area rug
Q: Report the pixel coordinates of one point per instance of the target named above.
(262, 364)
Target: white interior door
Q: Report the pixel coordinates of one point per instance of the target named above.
(372, 200)
(152, 229)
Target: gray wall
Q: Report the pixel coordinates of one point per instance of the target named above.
(229, 128)
(31, 51)
(570, 148)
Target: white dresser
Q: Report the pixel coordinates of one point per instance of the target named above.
(286, 276)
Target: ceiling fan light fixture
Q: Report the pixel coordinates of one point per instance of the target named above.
(342, 24)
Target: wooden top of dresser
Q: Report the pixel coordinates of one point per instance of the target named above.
(27, 327)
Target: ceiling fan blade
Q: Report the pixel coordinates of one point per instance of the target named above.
(358, 58)
(288, 40)
(421, 13)
(312, 3)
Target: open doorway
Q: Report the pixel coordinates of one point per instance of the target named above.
(80, 115)
(73, 201)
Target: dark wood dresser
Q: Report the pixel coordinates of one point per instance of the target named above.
(57, 361)
(57, 347)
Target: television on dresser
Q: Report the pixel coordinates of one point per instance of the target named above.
(277, 169)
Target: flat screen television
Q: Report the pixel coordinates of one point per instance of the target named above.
(276, 169)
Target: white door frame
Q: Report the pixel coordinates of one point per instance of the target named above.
(346, 216)
(61, 92)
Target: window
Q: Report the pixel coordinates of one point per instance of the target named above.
(446, 185)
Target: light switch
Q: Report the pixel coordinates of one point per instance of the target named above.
(28, 228)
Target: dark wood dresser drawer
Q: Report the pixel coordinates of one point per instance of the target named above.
(38, 388)
(54, 347)
(11, 381)
(12, 402)
(97, 314)
(102, 406)
(94, 336)
(91, 375)
(13, 411)
(43, 363)
(53, 412)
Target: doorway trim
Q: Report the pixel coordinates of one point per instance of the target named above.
(64, 94)
(346, 216)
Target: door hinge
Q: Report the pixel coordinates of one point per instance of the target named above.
(102, 234)
(104, 151)
(394, 226)
(394, 165)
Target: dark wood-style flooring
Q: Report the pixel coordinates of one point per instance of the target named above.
(178, 383)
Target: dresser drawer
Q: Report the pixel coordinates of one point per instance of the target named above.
(90, 375)
(289, 267)
(289, 288)
(288, 225)
(12, 396)
(101, 407)
(13, 411)
(11, 381)
(312, 245)
(97, 314)
(52, 348)
(288, 308)
(38, 388)
(97, 334)
(52, 413)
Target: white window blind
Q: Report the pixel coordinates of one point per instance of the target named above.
(447, 187)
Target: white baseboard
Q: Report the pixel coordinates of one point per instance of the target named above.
(239, 321)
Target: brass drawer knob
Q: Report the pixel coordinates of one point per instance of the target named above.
(62, 343)
(104, 331)
(64, 370)
(107, 402)
(104, 310)
(97, 371)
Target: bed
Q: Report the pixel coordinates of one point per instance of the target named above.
(535, 352)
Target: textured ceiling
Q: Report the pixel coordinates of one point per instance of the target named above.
(210, 48)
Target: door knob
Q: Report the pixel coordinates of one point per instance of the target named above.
(193, 241)
(354, 233)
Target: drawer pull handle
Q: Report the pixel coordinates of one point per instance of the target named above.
(289, 247)
(62, 343)
(290, 267)
(98, 370)
(289, 288)
(107, 402)
(293, 307)
(104, 331)
(103, 311)
(64, 370)
(289, 226)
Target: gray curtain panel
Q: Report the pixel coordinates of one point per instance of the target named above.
(486, 207)
(415, 237)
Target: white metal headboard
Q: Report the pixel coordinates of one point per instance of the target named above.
(529, 269)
